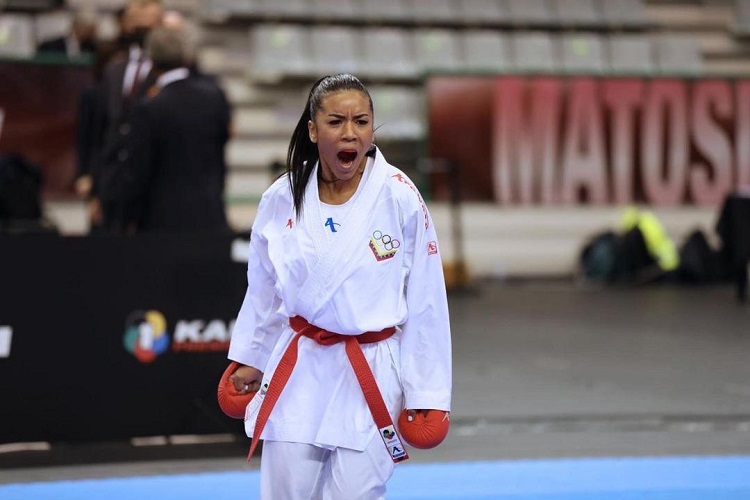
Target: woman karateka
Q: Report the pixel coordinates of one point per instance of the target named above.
(344, 280)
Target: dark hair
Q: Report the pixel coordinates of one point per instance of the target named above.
(303, 153)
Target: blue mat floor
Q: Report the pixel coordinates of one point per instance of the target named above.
(674, 478)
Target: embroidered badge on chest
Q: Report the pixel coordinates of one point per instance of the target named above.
(383, 246)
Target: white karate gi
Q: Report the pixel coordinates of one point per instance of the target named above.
(381, 267)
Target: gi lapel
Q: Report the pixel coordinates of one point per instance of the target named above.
(335, 261)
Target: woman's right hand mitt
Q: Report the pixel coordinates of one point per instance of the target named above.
(424, 431)
(231, 402)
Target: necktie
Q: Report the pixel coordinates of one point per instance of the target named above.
(136, 80)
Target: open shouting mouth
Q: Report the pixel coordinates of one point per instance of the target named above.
(347, 156)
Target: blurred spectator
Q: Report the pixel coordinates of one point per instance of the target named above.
(115, 49)
(124, 82)
(176, 173)
(174, 20)
(80, 40)
(90, 117)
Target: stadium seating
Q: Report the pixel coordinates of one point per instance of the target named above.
(334, 50)
(280, 50)
(620, 14)
(741, 24)
(437, 49)
(398, 113)
(630, 54)
(534, 52)
(483, 12)
(332, 10)
(531, 13)
(583, 53)
(677, 53)
(17, 35)
(427, 11)
(384, 11)
(582, 14)
(486, 51)
(388, 53)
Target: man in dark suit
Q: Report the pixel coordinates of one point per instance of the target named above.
(176, 174)
(124, 82)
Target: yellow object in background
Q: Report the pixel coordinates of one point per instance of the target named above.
(658, 243)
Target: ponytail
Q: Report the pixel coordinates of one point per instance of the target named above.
(302, 154)
(300, 159)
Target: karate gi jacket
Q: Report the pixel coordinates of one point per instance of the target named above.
(371, 263)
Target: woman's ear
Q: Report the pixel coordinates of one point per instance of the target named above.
(312, 131)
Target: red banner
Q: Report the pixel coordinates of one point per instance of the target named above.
(589, 140)
(38, 112)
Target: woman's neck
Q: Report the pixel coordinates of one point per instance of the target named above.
(338, 191)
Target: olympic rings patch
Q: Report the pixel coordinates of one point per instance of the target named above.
(383, 246)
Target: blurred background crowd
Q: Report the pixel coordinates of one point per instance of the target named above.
(244, 67)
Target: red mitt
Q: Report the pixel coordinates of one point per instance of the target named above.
(232, 402)
(425, 432)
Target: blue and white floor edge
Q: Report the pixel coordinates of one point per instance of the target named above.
(667, 478)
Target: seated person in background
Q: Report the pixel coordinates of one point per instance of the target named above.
(175, 177)
(80, 40)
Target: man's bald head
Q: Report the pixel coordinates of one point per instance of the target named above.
(167, 49)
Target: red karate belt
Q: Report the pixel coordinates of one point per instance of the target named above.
(361, 369)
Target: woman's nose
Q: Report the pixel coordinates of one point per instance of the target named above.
(349, 130)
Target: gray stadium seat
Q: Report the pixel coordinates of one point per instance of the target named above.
(334, 50)
(249, 8)
(531, 12)
(483, 11)
(434, 11)
(388, 53)
(185, 6)
(630, 54)
(386, 10)
(287, 8)
(399, 112)
(333, 9)
(486, 50)
(17, 36)
(583, 53)
(217, 10)
(52, 25)
(280, 50)
(578, 13)
(741, 22)
(678, 54)
(534, 51)
(624, 13)
(437, 49)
